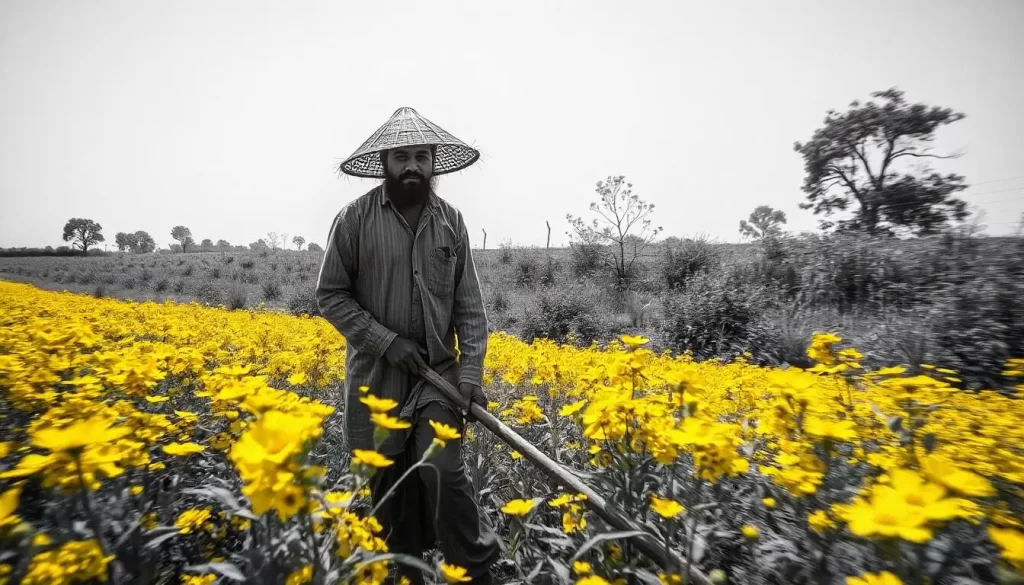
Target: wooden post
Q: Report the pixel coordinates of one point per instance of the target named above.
(485, 237)
(548, 245)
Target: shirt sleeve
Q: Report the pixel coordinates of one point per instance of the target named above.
(335, 291)
(469, 315)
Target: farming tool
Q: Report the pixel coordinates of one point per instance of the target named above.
(646, 543)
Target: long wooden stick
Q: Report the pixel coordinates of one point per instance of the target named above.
(647, 544)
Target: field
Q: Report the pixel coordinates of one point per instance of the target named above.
(167, 443)
(949, 300)
(806, 436)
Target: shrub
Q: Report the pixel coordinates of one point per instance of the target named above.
(568, 316)
(271, 291)
(248, 264)
(688, 258)
(303, 301)
(237, 297)
(161, 285)
(527, 271)
(207, 293)
(585, 259)
(711, 318)
(505, 252)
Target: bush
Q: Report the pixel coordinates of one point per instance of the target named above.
(237, 297)
(527, 270)
(711, 318)
(271, 291)
(505, 252)
(686, 259)
(303, 302)
(585, 259)
(568, 316)
(207, 293)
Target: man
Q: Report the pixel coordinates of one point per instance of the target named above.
(399, 282)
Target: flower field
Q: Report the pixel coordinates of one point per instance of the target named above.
(168, 443)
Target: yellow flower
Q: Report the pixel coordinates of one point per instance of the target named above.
(298, 378)
(668, 509)
(156, 399)
(300, 576)
(83, 559)
(183, 449)
(750, 532)
(571, 409)
(389, 423)
(370, 458)
(634, 340)
(842, 430)
(582, 568)
(204, 579)
(93, 431)
(1010, 543)
(454, 573)
(191, 520)
(376, 404)
(768, 502)
(135, 490)
(518, 507)
(8, 507)
(444, 432)
(42, 539)
(883, 578)
(592, 580)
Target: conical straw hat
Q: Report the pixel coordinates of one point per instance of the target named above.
(407, 128)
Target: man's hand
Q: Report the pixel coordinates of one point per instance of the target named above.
(472, 393)
(406, 355)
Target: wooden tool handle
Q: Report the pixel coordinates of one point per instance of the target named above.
(647, 544)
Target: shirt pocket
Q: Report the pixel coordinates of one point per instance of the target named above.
(441, 275)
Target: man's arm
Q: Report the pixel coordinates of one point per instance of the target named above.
(334, 290)
(469, 315)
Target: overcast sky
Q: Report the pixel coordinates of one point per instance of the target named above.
(230, 117)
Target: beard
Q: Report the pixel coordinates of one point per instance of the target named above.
(409, 192)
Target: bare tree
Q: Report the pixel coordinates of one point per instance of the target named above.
(623, 218)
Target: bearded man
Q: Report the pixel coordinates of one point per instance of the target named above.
(399, 282)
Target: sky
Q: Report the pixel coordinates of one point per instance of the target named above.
(231, 117)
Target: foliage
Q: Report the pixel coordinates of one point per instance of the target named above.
(686, 258)
(852, 159)
(153, 443)
(764, 222)
(712, 317)
(184, 237)
(299, 241)
(623, 227)
(566, 317)
(82, 233)
(139, 242)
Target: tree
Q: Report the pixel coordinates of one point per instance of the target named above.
(223, 245)
(144, 243)
(764, 221)
(298, 241)
(622, 225)
(851, 160)
(82, 233)
(184, 237)
(314, 247)
(259, 245)
(271, 240)
(124, 241)
(206, 244)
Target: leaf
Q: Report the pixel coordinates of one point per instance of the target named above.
(594, 541)
(228, 570)
(536, 571)
(560, 570)
(223, 496)
(162, 538)
(699, 546)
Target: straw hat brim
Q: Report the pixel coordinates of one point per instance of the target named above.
(407, 128)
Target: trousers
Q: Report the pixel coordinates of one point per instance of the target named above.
(437, 505)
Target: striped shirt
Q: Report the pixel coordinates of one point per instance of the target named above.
(383, 278)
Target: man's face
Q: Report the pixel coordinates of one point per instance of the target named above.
(410, 169)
